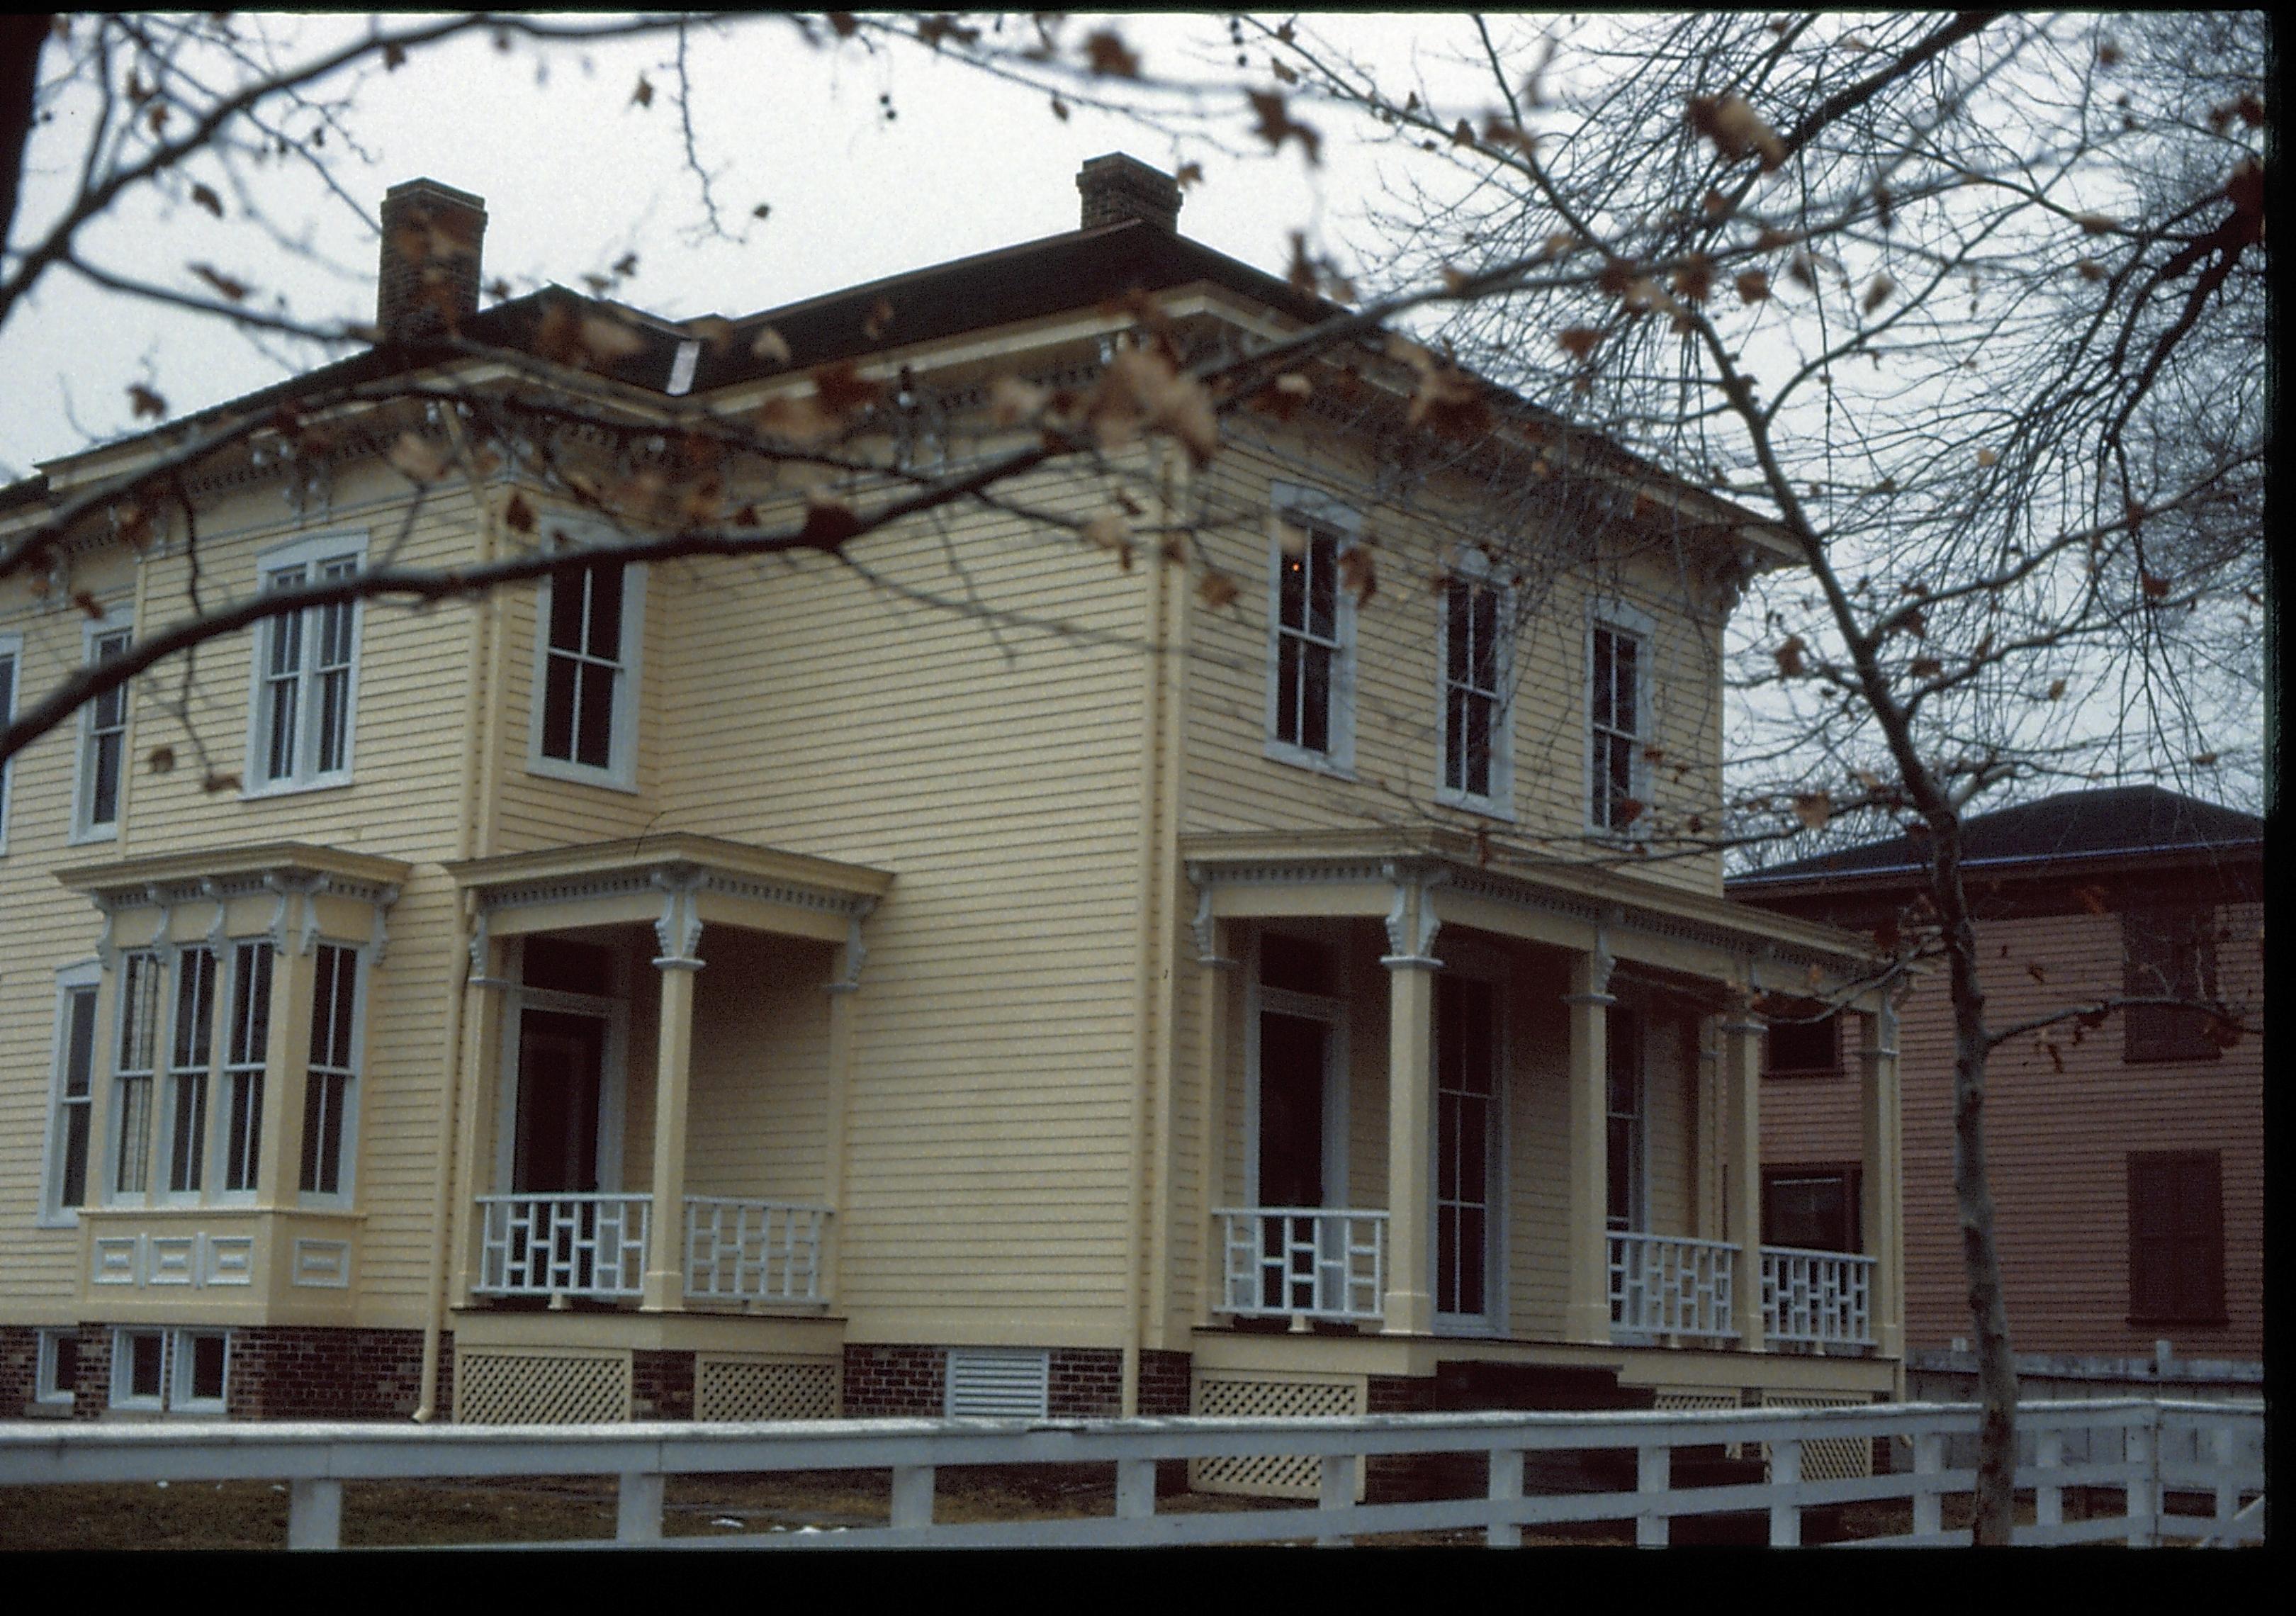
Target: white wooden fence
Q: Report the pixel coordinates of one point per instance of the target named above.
(2168, 1452)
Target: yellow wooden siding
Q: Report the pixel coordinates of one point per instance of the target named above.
(1231, 784)
(995, 769)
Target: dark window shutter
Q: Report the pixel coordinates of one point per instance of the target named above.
(2176, 1237)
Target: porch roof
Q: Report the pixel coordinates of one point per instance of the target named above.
(612, 882)
(1574, 905)
(156, 878)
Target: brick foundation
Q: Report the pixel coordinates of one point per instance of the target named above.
(662, 1385)
(278, 1372)
(886, 1381)
(1085, 1383)
(19, 1368)
(1164, 1380)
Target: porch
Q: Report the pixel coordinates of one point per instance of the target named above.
(643, 1133)
(1446, 1103)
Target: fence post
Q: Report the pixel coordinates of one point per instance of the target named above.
(2144, 1488)
(315, 1513)
(1136, 1489)
(1785, 1493)
(1654, 1471)
(637, 1512)
(1507, 1488)
(1929, 1499)
(2048, 1494)
(1337, 1494)
(912, 1495)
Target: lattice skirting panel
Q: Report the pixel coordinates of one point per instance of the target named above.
(558, 1387)
(1832, 1459)
(1679, 1401)
(1271, 1397)
(763, 1388)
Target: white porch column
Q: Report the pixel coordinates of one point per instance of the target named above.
(679, 929)
(1741, 1068)
(1586, 1303)
(844, 988)
(1215, 973)
(1883, 1180)
(1408, 1308)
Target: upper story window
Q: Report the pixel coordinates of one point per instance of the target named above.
(584, 724)
(1311, 636)
(301, 724)
(2169, 953)
(1617, 716)
(74, 1093)
(11, 656)
(1805, 1041)
(1476, 750)
(104, 744)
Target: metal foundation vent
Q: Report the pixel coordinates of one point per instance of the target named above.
(765, 1388)
(1271, 1476)
(1000, 1383)
(555, 1388)
(1829, 1458)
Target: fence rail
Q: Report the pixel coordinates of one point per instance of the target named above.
(2215, 1450)
(1303, 1262)
(1665, 1285)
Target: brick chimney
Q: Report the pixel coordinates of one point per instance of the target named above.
(432, 237)
(1116, 187)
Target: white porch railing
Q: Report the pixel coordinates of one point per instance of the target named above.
(1303, 1262)
(752, 1250)
(2163, 1460)
(1668, 1285)
(1822, 1299)
(562, 1245)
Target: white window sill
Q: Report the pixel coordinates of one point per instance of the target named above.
(577, 775)
(1299, 757)
(295, 788)
(57, 1220)
(1487, 808)
(81, 838)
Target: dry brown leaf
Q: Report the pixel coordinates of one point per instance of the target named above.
(1579, 341)
(1358, 575)
(1879, 291)
(208, 200)
(1217, 589)
(1789, 657)
(1109, 532)
(770, 346)
(1753, 286)
(145, 401)
(1736, 128)
(2088, 270)
(1986, 457)
(828, 523)
(2096, 224)
(1277, 126)
(1812, 809)
(843, 391)
(2056, 690)
(1108, 57)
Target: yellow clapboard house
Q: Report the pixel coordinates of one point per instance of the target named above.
(735, 987)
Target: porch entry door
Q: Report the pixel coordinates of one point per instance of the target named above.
(561, 1080)
(1298, 1156)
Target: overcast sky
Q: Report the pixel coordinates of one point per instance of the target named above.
(575, 174)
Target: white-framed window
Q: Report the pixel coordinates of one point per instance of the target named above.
(141, 979)
(330, 1080)
(247, 1046)
(1470, 1147)
(102, 779)
(585, 674)
(11, 661)
(139, 1369)
(303, 706)
(1618, 719)
(72, 1095)
(200, 1361)
(57, 1372)
(1311, 630)
(1626, 1173)
(191, 1058)
(1476, 761)
(180, 1371)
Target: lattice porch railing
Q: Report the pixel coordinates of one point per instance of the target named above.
(1303, 1262)
(1822, 1299)
(562, 1245)
(1672, 1285)
(738, 1250)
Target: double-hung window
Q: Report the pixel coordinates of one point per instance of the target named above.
(299, 731)
(2169, 953)
(1625, 1176)
(585, 725)
(75, 1094)
(11, 658)
(1476, 753)
(1311, 636)
(103, 745)
(190, 1051)
(330, 1088)
(247, 1046)
(1617, 721)
(141, 977)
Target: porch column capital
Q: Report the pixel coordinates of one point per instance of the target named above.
(1412, 922)
(482, 954)
(1204, 927)
(679, 929)
(857, 951)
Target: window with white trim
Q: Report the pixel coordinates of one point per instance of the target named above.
(1625, 1175)
(585, 721)
(104, 746)
(247, 1046)
(58, 1371)
(1618, 721)
(180, 1371)
(139, 1369)
(141, 975)
(11, 658)
(1476, 750)
(300, 728)
(330, 1082)
(191, 1050)
(202, 1371)
(75, 1093)
(1311, 636)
